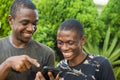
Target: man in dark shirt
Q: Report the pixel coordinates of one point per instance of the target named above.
(78, 64)
(20, 56)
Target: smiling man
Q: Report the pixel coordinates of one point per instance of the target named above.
(78, 64)
(20, 55)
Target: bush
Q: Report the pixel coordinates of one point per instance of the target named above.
(4, 13)
(53, 12)
(111, 16)
(110, 49)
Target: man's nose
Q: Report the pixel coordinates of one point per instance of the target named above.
(64, 47)
(31, 27)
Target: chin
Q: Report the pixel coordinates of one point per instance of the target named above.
(68, 58)
(25, 40)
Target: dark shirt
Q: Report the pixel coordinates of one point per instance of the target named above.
(42, 53)
(92, 68)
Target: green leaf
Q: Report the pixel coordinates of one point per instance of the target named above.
(115, 55)
(113, 45)
(105, 45)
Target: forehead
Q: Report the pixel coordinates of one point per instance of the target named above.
(27, 13)
(67, 34)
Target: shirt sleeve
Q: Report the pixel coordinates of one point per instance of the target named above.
(106, 71)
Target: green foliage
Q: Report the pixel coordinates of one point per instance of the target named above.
(111, 16)
(117, 72)
(0, 24)
(53, 12)
(110, 49)
(44, 35)
(4, 13)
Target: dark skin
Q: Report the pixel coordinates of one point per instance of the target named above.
(17, 63)
(23, 26)
(70, 44)
(39, 76)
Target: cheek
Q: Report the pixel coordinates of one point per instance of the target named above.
(59, 46)
(76, 48)
(15, 27)
(17, 30)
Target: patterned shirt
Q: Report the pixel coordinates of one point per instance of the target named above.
(93, 67)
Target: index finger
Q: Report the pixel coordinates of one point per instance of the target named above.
(33, 61)
(57, 77)
(50, 75)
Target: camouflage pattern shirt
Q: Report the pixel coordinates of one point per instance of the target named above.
(93, 67)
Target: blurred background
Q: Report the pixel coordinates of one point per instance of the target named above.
(100, 18)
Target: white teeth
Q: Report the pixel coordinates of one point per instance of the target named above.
(66, 54)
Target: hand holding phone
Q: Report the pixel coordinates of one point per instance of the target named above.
(47, 69)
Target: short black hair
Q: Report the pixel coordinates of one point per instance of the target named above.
(73, 25)
(18, 4)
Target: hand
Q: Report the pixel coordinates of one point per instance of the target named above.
(51, 76)
(39, 76)
(21, 63)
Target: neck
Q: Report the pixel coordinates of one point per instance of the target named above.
(17, 43)
(78, 60)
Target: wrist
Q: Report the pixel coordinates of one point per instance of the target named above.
(6, 65)
(4, 69)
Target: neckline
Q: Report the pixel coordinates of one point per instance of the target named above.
(80, 62)
(14, 46)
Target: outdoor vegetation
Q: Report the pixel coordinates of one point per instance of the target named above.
(101, 30)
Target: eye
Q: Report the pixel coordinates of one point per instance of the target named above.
(71, 42)
(25, 22)
(59, 42)
(35, 23)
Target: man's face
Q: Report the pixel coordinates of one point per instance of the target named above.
(24, 24)
(69, 43)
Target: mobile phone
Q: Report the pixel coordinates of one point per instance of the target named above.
(46, 69)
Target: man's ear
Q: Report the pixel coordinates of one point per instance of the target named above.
(10, 19)
(83, 40)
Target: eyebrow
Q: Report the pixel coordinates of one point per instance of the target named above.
(28, 20)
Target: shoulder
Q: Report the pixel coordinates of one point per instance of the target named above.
(104, 69)
(62, 64)
(3, 40)
(99, 60)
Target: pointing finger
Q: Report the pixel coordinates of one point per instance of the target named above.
(33, 61)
